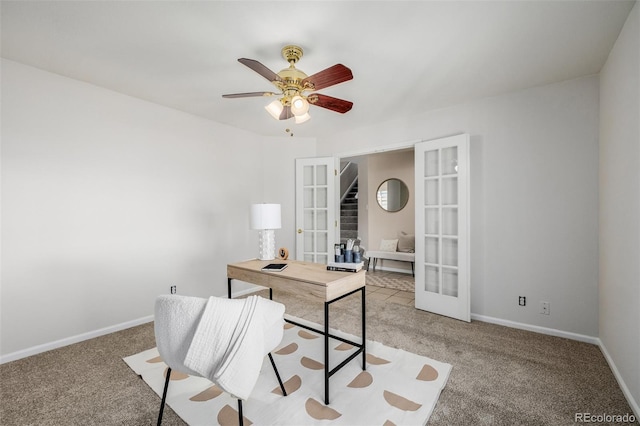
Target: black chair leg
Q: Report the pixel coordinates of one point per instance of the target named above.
(284, 392)
(164, 396)
(240, 417)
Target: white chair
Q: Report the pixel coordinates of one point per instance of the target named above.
(177, 319)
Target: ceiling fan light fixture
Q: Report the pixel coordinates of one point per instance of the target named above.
(299, 106)
(302, 118)
(275, 109)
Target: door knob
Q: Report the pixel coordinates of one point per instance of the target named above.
(299, 231)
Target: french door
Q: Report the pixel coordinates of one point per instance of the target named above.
(315, 209)
(442, 276)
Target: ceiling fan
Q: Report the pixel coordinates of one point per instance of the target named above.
(293, 83)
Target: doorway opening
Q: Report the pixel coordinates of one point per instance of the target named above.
(363, 217)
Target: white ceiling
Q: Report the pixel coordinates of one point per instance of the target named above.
(406, 57)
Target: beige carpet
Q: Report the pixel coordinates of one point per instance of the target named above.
(500, 376)
(397, 388)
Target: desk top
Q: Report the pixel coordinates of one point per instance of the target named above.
(299, 277)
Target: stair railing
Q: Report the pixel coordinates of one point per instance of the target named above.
(348, 178)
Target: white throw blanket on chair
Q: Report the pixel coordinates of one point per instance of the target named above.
(228, 346)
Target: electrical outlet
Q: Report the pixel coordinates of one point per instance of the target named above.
(545, 308)
(173, 289)
(522, 301)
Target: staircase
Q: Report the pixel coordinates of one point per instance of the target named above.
(349, 215)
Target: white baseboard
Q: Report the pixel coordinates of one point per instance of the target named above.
(254, 289)
(625, 390)
(537, 329)
(73, 339)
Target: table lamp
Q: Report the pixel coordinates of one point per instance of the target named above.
(266, 218)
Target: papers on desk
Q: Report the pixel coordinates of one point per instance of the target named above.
(344, 267)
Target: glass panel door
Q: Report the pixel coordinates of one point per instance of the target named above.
(314, 209)
(442, 240)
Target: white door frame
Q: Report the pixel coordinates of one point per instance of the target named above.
(366, 151)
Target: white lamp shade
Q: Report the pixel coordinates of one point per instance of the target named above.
(302, 118)
(299, 105)
(265, 216)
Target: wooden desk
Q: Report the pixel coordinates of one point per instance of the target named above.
(315, 282)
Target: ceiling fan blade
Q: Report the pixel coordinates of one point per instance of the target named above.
(328, 102)
(248, 94)
(328, 77)
(286, 113)
(260, 69)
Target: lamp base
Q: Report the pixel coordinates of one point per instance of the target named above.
(267, 244)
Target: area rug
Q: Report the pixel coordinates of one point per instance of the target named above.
(396, 281)
(397, 388)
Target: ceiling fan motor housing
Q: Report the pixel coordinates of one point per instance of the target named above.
(291, 84)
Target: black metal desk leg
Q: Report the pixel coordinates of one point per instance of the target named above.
(229, 287)
(364, 331)
(326, 353)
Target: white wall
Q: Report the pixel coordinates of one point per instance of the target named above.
(534, 198)
(620, 205)
(388, 225)
(279, 179)
(108, 200)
